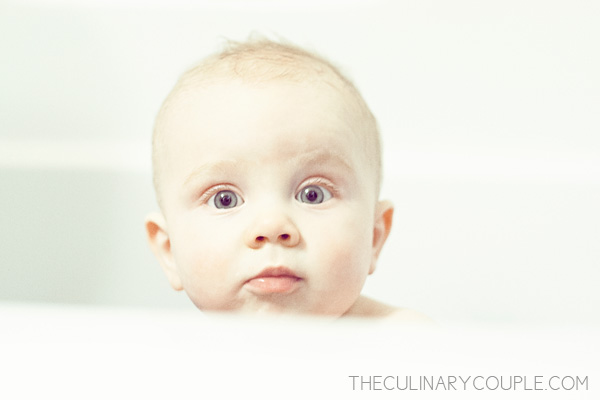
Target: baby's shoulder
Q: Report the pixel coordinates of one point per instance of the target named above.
(368, 308)
(406, 315)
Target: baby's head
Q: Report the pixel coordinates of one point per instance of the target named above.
(267, 171)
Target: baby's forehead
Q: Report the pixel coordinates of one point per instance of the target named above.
(233, 97)
(212, 109)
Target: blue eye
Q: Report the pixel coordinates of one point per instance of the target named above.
(313, 194)
(225, 199)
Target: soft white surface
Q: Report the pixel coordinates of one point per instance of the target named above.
(98, 353)
(488, 111)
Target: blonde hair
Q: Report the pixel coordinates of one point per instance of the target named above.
(260, 60)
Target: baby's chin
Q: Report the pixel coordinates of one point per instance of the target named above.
(277, 305)
(275, 310)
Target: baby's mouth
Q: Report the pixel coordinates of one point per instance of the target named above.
(274, 280)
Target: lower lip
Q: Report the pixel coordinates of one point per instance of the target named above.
(273, 284)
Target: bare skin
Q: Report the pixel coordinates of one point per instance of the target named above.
(365, 307)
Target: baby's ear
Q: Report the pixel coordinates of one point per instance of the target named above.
(384, 212)
(158, 238)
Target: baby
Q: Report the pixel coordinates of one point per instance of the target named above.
(267, 170)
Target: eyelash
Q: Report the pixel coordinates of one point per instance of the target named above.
(319, 182)
(207, 195)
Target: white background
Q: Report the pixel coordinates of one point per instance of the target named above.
(489, 113)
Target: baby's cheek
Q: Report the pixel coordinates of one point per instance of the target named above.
(204, 264)
(347, 254)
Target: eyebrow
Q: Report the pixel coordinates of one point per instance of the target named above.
(212, 168)
(315, 157)
(324, 156)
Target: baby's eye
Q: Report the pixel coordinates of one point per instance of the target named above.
(225, 199)
(313, 194)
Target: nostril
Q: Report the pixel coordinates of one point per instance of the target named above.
(284, 236)
(260, 238)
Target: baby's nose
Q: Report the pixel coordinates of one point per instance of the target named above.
(273, 229)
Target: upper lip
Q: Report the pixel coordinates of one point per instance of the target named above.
(275, 272)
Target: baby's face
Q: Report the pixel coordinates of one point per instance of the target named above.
(269, 202)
